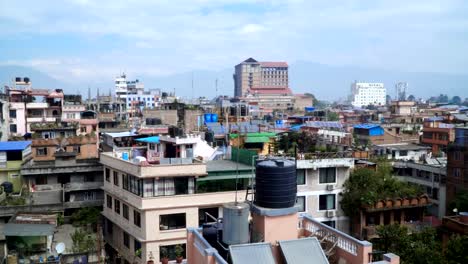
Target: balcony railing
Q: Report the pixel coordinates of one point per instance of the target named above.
(77, 186)
(202, 250)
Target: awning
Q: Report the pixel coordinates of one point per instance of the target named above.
(12, 229)
(257, 139)
(153, 139)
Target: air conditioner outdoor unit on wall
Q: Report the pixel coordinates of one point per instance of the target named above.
(330, 187)
(330, 214)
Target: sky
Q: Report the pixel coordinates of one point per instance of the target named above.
(79, 40)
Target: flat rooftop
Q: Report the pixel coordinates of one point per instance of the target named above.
(225, 165)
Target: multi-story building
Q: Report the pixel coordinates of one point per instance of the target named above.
(13, 154)
(320, 179)
(431, 177)
(4, 112)
(266, 83)
(251, 76)
(437, 135)
(364, 94)
(457, 166)
(151, 196)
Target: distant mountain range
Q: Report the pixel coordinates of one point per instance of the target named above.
(324, 81)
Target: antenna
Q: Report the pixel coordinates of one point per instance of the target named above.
(238, 150)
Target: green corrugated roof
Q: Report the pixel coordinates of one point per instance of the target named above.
(256, 134)
(257, 139)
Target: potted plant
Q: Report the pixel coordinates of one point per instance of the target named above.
(164, 255)
(179, 250)
(150, 261)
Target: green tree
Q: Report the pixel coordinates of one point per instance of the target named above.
(333, 116)
(460, 202)
(411, 98)
(82, 241)
(457, 248)
(85, 216)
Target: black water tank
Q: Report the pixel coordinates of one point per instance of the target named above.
(7, 187)
(275, 183)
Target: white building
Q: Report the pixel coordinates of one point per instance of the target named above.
(364, 94)
(320, 182)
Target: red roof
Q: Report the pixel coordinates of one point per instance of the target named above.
(274, 64)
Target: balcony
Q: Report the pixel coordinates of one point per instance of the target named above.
(457, 224)
(37, 105)
(192, 167)
(80, 186)
(84, 203)
(40, 119)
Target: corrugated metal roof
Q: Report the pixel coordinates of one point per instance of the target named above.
(366, 126)
(252, 254)
(303, 251)
(122, 134)
(12, 229)
(153, 139)
(14, 145)
(257, 140)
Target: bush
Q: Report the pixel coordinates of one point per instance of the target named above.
(85, 216)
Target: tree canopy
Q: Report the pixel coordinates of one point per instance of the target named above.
(365, 186)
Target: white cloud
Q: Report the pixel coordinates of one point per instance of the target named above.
(161, 37)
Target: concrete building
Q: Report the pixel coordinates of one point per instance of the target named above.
(431, 177)
(364, 94)
(13, 154)
(403, 152)
(4, 117)
(437, 134)
(265, 83)
(251, 76)
(320, 180)
(151, 197)
(403, 108)
(457, 166)
(301, 101)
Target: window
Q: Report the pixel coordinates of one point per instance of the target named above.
(330, 223)
(126, 239)
(172, 221)
(125, 211)
(132, 184)
(41, 151)
(125, 181)
(12, 113)
(301, 203)
(89, 178)
(327, 175)
(456, 172)
(116, 178)
(13, 128)
(109, 201)
(327, 202)
(107, 175)
(77, 149)
(109, 226)
(117, 206)
(403, 153)
(301, 178)
(171, 251)
(181, 185)
(457, 155)
(136, 218)
(137, 248)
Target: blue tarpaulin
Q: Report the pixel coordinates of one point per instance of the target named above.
(153, 139)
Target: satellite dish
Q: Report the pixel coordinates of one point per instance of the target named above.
(60, 248)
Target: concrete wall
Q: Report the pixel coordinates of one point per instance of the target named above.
(168, 117)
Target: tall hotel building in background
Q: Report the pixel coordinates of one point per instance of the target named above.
(364, 94)
(266, 83)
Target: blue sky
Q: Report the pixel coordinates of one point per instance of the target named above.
(83, 39)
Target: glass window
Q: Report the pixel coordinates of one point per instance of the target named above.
(171, 251)
(116, 178)
(107, 175)
(41, 151)
(126, 239)
(136, 218)
(125, 211)
(109, 226)
(300, 202)
(12, 113)
(117, 206)
(327, 202)
(13, 128)
(330, 223)
(301, 178)
(172, 221)
(137, 248)
(181, 185)
(327, 175)
(109, 201)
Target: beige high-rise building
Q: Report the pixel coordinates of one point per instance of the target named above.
(252, 77)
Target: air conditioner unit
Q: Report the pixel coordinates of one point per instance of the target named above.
(330, 187)
(330, 214)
